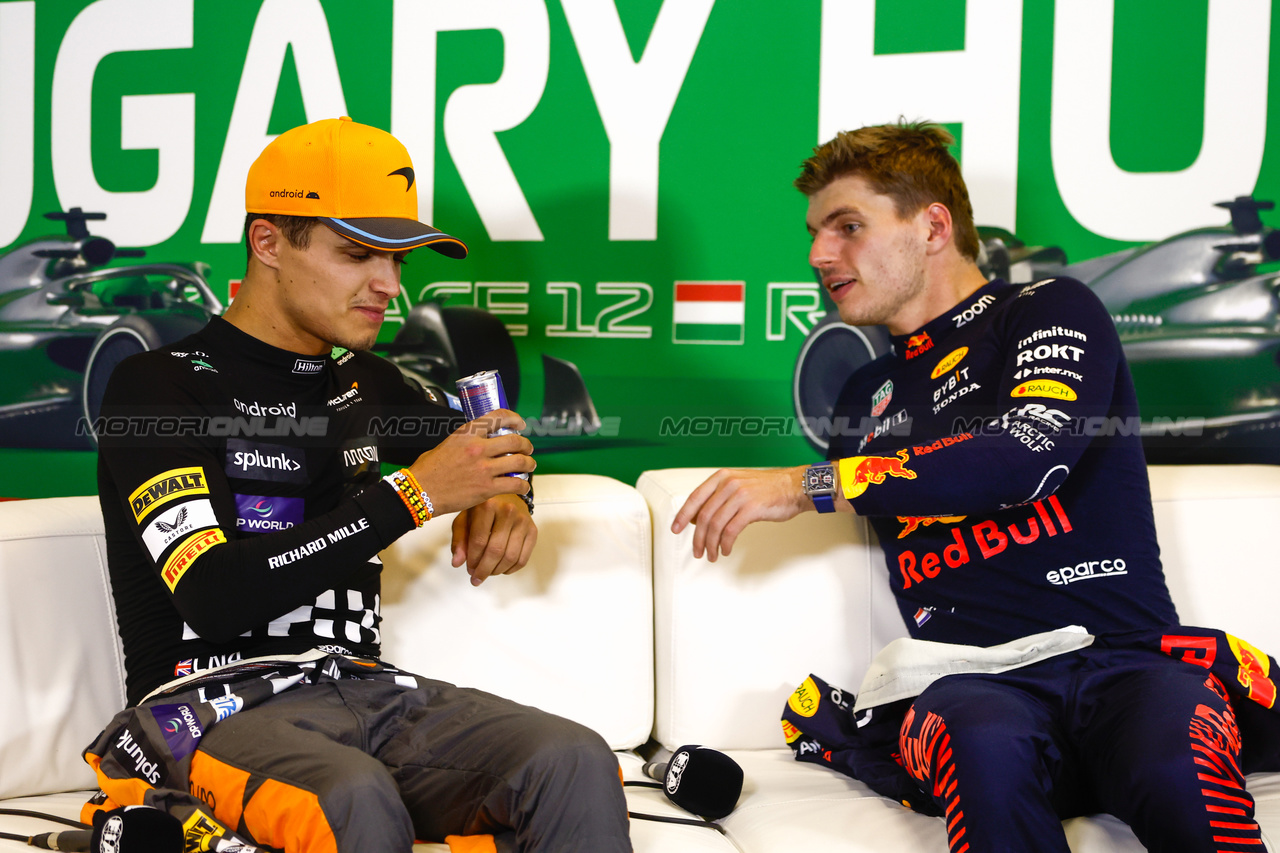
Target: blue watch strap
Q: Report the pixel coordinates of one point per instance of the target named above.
(824, 503)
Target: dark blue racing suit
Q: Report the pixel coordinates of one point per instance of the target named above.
(996, 452)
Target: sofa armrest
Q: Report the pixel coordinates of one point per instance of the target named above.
(61, 665)
(1218, 526)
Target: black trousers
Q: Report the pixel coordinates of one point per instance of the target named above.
(369, 766)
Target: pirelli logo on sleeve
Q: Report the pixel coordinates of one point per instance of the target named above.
(191, 548)
(162, 488)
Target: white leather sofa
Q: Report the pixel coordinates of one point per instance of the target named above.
(614, 624)
(572, 632)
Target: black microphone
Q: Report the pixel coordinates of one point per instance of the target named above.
(129, 829)
(699, 780)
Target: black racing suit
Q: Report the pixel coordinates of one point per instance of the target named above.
(244, 509)
(996, 452)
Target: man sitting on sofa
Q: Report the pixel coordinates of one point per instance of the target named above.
(253, 532)
(994, 455)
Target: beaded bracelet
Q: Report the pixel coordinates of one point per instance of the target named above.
(411, 494)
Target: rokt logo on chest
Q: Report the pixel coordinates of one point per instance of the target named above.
(1040, 353)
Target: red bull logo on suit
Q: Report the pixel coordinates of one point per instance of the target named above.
(859, 472)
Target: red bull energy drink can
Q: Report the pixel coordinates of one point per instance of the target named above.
(481, 393)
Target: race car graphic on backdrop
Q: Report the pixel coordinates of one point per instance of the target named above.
(1198, 315)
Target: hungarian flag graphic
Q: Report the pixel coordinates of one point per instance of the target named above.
(709, 312)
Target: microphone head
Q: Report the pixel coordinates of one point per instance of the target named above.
(703, 781)
(136, 829)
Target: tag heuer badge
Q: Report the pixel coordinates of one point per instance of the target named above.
(880, 400)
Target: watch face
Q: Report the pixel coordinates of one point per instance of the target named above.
(819, 479)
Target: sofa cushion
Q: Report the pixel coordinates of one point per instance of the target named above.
(571, 633)
(733, 638)
(786, 805)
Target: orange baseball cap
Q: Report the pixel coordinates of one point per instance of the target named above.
(356, 179)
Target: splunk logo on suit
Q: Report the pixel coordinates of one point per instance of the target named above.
(130, 752)
(1047, 518)
(262, 513)
(247, 460)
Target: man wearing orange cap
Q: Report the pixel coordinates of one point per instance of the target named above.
(243, 552)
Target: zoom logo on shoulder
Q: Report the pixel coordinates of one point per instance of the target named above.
(249, 460)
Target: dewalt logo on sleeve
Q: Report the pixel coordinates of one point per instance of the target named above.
(162, 488)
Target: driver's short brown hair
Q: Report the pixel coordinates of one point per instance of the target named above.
(909, 162)
(296, 229)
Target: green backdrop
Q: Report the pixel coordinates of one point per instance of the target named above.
(751, 85)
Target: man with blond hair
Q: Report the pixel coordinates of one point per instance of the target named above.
(1007, 510)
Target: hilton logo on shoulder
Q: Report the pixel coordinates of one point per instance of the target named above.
(306, 365)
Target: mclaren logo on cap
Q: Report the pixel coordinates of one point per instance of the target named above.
(406, 173)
